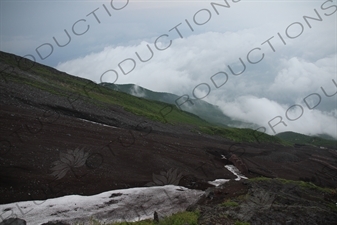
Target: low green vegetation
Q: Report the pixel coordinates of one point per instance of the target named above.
(229, 203)
(332, 206)
(241, 223)
(73, 88)
(296, 138)
(144, 222)
(181, 218)
(210, 113)
(241, 134)
(301, 184)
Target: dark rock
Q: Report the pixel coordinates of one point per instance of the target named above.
(155, 217)
(270, 201)
(115, 195)
(13, 221)
(55, 223)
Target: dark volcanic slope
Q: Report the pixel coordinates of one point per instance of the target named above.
(267, 201)
(44, 118)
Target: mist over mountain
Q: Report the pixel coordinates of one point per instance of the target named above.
(221, 112)
(203, 109)
(214, 114)
(63, 135)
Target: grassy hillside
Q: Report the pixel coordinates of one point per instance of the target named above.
(242, 134)
(296, 138)
(73, 88)
(214, 115)
(204, 110)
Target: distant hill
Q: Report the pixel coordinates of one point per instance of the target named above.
(204, 110)
(214, 115)
(302, 139)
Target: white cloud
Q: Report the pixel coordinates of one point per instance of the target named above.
(193, 59)
(300, 80)
(137, 91)
(265, 90)
(269, 114)
(298, 76)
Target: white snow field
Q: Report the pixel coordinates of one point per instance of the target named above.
(112, 206)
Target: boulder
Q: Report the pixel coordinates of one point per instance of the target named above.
(13, 221)
(55, 223)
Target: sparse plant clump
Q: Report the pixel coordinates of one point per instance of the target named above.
(241, 223)
(301, 184)
(242, 197)
(143, 222)
(181, 218)
(229, 203)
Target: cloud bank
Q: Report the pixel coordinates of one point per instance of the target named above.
(256, 74)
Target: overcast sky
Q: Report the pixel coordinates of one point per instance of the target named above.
(201, 39)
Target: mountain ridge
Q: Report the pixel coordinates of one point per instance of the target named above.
(203, 109)
(213, 114)
(64, 135)
(323, 141)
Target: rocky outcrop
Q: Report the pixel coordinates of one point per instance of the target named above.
(267, 201)
(55, 223)
(13, 221)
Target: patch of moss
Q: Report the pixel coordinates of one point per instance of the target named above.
(302, 184)
(332, 206)
(229, 203)
(241, 223)
(181, 218)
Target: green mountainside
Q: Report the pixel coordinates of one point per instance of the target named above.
(160, 107)
(72, 88)
(224, 124)
(301, 139)
(203, 109)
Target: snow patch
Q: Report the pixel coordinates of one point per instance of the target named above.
(112, 206)
(232, 169)
(236, 172)
(97, 123)
(218, 182)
